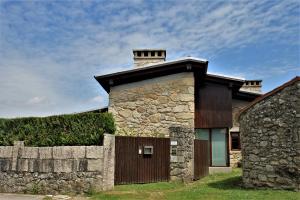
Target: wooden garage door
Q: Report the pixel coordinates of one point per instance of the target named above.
(133, 165)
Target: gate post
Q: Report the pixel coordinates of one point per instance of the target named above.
(182, 153)
(108, 162)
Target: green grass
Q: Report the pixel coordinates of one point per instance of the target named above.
(219, 186)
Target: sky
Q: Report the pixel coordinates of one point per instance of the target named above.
(50, 51)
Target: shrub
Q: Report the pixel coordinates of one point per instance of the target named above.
(76, 129)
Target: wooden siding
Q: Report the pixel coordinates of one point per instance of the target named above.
(213, 105)
(132, 167)
(201, 158)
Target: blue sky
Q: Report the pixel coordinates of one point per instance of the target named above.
(50, 50)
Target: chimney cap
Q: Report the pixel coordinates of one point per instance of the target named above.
(149, 50)
(253, 82)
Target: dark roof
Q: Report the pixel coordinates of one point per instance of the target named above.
(244, 95)
(199, 66)
(258, 80)
(216, 76)
(148, 72)
(271, 93)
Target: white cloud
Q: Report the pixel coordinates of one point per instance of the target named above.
(97, 99)
(36, 100)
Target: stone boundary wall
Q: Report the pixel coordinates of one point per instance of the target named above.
(270, 138)
(59, 169)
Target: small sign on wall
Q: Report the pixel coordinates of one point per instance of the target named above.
(173, 142)
(148, 150)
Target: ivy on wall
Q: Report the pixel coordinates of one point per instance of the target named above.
(61, 130)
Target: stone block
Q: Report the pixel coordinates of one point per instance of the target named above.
(22, 165)
(82, 165)
(184, 116)
(177, 159)
(94, 165)
(45, 165)
(62, 152)
(30, 152)
(45, 152)
(186, 97)
(78, 151)
(6, 151)
(180, 108)
(108, 168)
(262, 177)
(94, 151)
(5, 164)
(33, 165)
(215, 170)
(191, 90)
(17, 149)
(269, 168)
(63, 165)
(68, 152)
(176, 172)
(125, 113)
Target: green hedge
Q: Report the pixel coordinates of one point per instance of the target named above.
(77, 129)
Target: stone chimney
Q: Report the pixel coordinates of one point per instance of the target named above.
(144, 57)
(252, 86)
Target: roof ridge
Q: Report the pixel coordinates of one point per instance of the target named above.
(268, 94)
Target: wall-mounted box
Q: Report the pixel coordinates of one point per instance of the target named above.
(148, 150)
(173, 142)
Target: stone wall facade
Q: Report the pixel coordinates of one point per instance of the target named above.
(235, 158)
(150, 107)
(237, 106)
(270, 132)
(235, 155)
(182, 153)
(53, 170)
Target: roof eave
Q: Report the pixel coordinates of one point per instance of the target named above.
(108, 80)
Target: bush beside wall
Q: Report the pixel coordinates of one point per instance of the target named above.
(78, 129)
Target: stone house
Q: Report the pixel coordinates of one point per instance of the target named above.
(270, 130)
(158, 94)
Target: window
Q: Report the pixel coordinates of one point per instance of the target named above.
(139, 54)
(235, 141)
(146, 53)
(218, 140)
(152, 53)
(219, 147)
(159, 53)
(202, 134)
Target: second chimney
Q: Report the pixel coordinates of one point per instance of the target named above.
(252, 86)
(144, 57)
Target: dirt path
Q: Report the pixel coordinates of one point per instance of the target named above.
(20, 197)
(7, 196)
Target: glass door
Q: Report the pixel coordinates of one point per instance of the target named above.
(218, 147)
